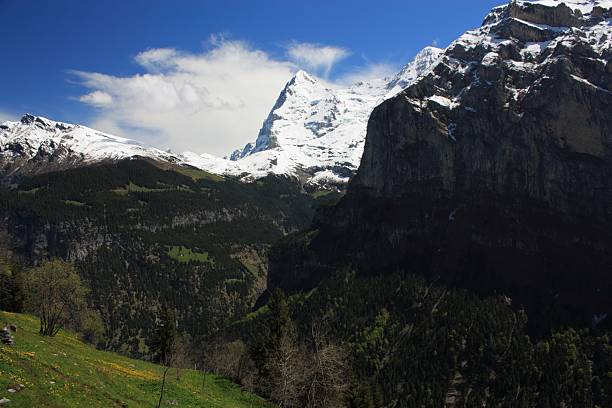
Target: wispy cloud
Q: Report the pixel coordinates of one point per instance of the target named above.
(367, 72)
(212, 101)
(157, 59)
(316, 58)
(206, 102)
(4, 116)
(97, 98)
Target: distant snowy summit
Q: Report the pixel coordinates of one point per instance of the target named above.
(35, 145)
(316, 131)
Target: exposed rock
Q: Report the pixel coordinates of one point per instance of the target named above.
(27, 119)
(559, 16)
(5, 337)
(513, 28)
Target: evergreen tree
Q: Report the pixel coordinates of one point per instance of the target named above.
(269, 335)
(164, 336)
(278, 358)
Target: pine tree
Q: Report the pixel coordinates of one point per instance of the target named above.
(277, 356)
(164, 335)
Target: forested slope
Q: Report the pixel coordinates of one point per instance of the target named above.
(146, 235)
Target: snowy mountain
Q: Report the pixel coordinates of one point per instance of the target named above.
(36, 145)
(316, 131)
(492, 172)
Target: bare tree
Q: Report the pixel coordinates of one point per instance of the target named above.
(327, 376)
(232, 360)
(163, 386)
(286, 367)
(177, 357)
(5, 278)
(180, 357)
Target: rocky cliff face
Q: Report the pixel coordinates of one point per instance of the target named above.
(494, 171)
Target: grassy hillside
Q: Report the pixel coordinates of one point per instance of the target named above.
(65, 372)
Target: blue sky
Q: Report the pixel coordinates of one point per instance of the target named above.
(230, 58)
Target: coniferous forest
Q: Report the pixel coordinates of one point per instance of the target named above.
(132, 228)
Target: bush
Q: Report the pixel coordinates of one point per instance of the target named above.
(232, 360)
(91, 327)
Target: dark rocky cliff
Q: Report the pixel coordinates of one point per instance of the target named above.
(493, 172)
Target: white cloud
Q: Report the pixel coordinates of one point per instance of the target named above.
(97, 98)
(367, 72)
(316, 58)
(210, 102)
(157, 59)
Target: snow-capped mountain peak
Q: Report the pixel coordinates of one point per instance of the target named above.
(33, 135)
(411, 71)
(37, 144)
(567, 13)
(302, 77)
(316, 131)
(302, 89)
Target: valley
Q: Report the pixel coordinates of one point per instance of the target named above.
(134, 226)
(437, 237)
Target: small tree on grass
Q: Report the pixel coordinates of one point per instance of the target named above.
(177, 357)
(231, 360)
(56, 294)
(91, 327)
(169, 348)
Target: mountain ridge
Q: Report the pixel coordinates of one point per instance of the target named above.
(314, 132)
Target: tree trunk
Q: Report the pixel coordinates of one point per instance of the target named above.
(161, 394)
